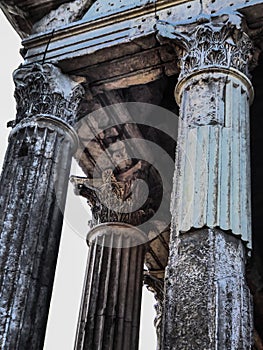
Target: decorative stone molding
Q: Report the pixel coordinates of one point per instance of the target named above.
(44, 90)
(216, 41)
(63, 15)
(112, 200)
(117, 235)
(48, 123)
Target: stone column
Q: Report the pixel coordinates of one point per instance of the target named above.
(207, 301)
(32, 197)
(111, 303)
(110, 308)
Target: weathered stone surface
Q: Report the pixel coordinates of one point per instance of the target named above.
(207, 301)
(41, 89)
(103, 8)
(110, 308)
(33, 192)
(212, 177)
(215, 41)
(31, 220)
(22, 14)
(128, 30)
(212, 182)
(62, 16)
(120, 35)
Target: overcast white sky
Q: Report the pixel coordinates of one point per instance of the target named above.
(73, 250)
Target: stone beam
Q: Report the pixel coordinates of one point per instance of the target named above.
(67, 35)
(123, 34)
(23, 14)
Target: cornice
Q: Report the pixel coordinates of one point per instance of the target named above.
(82, 46)
(107, 20)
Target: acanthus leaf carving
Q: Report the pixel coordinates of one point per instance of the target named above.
(216, 41)
(113, 200)
(43, 89)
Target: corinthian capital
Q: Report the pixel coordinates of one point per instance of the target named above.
(217, 41)
(113, 200)
(44, 89)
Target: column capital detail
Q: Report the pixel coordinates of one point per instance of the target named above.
(117, 235)
(42, 89)
(220, 76)
(215, 41)
(115, 200)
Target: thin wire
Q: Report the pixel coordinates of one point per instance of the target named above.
(46, 50)
(155, 10)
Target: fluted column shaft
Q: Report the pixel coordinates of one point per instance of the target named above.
(111, 303)
(212, 180)
(207, 301)
(32, 197)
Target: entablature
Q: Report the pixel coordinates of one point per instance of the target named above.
(23, 14)
(126, 40)
(86, 37)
